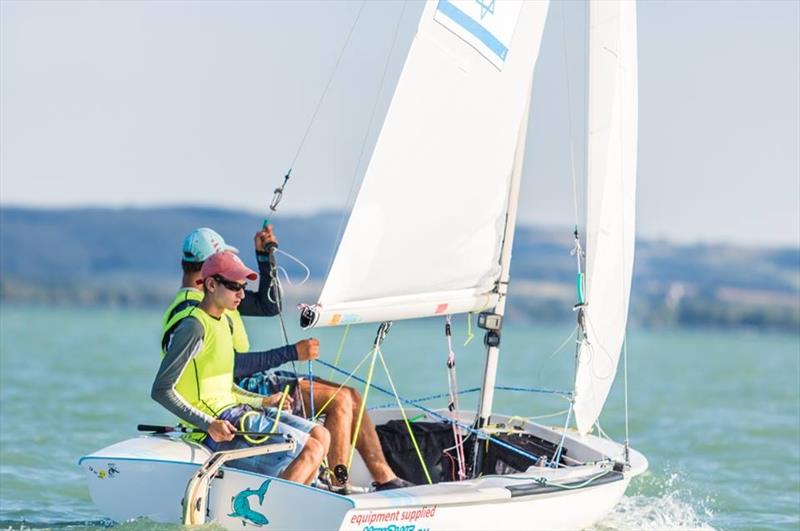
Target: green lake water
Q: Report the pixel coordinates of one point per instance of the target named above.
(716, 413)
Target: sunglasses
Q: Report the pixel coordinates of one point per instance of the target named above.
(229, 284)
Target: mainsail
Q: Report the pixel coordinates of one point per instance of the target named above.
(425, 234)
(611, 204)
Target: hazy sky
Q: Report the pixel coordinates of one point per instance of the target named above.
(149, 103)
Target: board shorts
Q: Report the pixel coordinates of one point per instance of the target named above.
(270, 464)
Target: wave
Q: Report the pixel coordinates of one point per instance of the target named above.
(659, 502)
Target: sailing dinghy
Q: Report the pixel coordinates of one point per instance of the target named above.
(430, 236)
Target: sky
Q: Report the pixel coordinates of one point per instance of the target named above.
(163, 103)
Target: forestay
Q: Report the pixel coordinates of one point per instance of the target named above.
(610, 202)
(425, 233)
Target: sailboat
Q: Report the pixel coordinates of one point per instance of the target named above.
(430, 236)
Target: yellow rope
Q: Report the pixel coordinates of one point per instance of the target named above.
(280, 408)
(470, 335)
(375, 350)
(339, 351)
(242, 427)
(405, 418)
(247, 415)
(318, 413)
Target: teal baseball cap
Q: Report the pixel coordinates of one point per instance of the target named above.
(202, 243)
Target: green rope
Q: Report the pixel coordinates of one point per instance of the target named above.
(470, 335)
(339, 350)
(375, 351)
(327, 403)
(405, 418)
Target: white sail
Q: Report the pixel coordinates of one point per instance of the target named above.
(425, 233)
(610, 202)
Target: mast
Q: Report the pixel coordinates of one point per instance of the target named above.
(494, 323)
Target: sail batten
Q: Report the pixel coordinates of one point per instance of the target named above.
(611, 192)
(429, 219)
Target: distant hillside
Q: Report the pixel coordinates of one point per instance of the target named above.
(131, 256)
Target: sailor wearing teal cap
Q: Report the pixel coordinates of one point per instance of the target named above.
(254, 370)
(202, 243)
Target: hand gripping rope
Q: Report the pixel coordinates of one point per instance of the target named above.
(277, 196)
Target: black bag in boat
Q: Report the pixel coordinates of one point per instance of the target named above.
(433, 439)
(501, 460)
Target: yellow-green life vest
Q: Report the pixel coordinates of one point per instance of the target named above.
(187, 297)
(207, 382)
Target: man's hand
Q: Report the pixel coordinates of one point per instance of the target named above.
(264, 237)
(221, 430)
(274, 400)
(307, 349)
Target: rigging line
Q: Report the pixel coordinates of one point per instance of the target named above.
(538, 417)
(481, 434)
(297, 261)
(408, 424)
(453, 406)
(557, 455)
(328, 84)
(555, 352)
(470, 334)
(340, 349)
(625, 380)
(564, 394)
(569, 116)
(383, 329)
(340, 229)
(427, 398)
(350, 375)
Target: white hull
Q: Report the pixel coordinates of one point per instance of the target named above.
(147, 477)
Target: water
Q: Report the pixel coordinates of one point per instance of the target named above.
(716, 413)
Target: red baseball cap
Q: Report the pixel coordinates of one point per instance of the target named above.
(228, 265)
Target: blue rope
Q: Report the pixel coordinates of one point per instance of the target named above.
(433, 413)
(566, 394)
(426, 398)
(311, 386)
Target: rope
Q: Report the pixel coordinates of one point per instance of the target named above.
(339, 350)
(569, 119)
(327, 85)
(340, 230)
(350, 375)
(452, 384)
(311, 388)
(247, 415)
(557, 455)
(555, 352)
(379, 337)
(439, 416)
(625, 387)
(430, 397)
(243, 428)
(470, 335)
(405, 419)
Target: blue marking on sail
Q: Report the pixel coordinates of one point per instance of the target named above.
(486, 7)
(474, 27)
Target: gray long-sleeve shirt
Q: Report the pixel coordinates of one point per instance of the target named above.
(183, 346)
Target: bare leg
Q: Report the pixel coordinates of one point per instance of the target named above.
(304, 467)
(368, 444)
(340, 420)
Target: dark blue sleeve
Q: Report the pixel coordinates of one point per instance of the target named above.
(260, 303)
(249, 363)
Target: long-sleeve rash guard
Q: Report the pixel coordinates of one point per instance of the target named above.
(183, 345)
